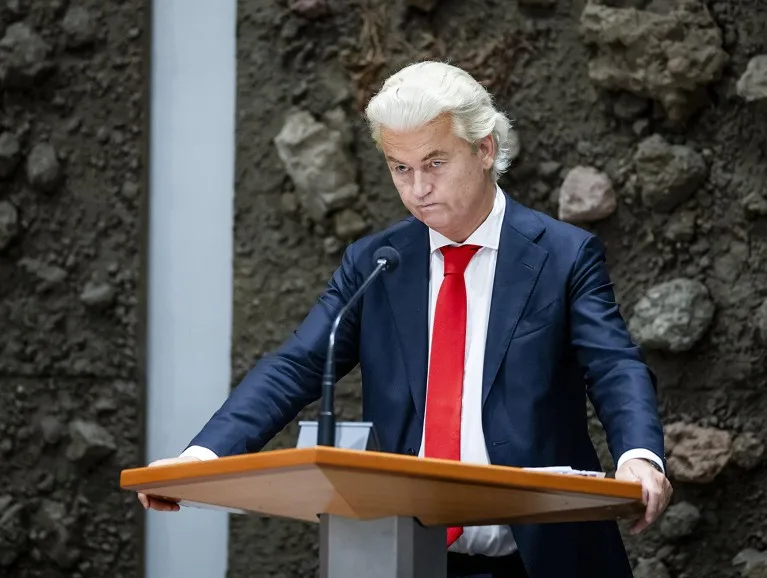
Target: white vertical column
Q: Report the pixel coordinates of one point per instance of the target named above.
(191, 192)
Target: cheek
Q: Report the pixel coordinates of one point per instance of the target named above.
(463, 186)
(403, 189)
(454, 187)
(403, 183)
(476, 170)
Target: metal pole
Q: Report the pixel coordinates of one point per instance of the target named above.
(394, 547)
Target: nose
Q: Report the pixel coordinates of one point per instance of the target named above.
(421, 185)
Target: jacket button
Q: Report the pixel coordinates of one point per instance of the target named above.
(410, 452)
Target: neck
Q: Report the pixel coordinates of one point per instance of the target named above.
(465, 231)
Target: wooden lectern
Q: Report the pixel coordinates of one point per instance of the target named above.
(384, 515)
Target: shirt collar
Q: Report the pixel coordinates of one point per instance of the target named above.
(488, 234)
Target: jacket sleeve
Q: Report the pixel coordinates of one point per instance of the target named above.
(620, 385)
(284, 382)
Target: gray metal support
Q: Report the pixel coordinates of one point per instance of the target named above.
(190, 246)
(395, 547)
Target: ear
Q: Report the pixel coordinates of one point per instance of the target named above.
(486, 151)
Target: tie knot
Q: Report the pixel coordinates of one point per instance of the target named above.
(457, 258)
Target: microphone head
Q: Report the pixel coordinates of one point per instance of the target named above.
(389, 255)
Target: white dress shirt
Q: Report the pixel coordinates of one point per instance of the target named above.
(479, 277)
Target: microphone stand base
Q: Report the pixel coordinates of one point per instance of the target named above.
(350, 435)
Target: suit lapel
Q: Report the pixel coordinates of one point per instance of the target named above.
(407, 289)
(517, 268)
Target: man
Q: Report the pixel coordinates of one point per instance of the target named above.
(481, 346)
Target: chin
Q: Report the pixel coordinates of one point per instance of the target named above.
(435, 222)
(434, 217)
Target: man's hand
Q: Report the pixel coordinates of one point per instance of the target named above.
(656, 490)
(157, 503)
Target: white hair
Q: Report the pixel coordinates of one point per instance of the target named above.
(421, 92)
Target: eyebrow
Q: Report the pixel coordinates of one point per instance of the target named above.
(431, 155)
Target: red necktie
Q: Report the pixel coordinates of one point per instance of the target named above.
(448, 347)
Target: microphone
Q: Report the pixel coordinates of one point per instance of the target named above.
(386, 259)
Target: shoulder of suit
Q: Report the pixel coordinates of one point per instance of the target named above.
(369, 243)
(553, 229)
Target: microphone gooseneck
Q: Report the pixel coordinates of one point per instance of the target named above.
(385, 259)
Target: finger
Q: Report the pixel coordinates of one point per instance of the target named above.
(162, 505)
(665, 497)
(668, 492)
(639, 526)
(144, 501)
(653, 506)
(651, 498)
(166, 506)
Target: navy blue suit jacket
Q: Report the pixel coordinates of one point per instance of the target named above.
(555, 335)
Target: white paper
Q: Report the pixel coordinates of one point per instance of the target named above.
(567, 470)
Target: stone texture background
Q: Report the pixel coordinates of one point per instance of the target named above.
(71, 138)
(644, 121)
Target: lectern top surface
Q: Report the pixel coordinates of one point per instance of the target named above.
(302, 483)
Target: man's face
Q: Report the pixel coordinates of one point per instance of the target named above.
(442, 180)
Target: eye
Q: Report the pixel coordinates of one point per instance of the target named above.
(437, 164)
(401, 169)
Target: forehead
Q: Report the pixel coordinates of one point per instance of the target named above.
(408, 145)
